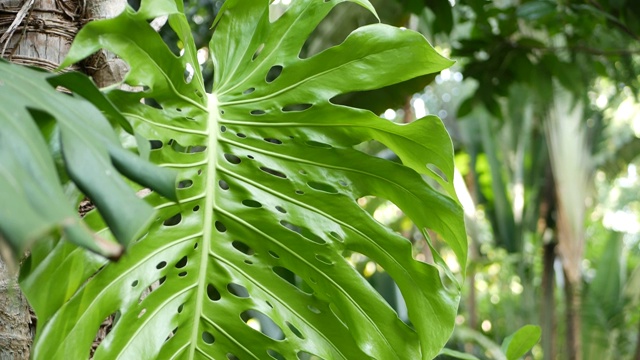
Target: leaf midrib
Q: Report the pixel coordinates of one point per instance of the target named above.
(211, 161)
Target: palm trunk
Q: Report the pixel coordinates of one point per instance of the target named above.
(547, 312)
(572, 308)
(15, 332)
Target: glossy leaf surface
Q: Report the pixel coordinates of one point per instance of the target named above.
(250, 264)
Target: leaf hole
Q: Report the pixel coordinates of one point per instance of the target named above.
(273, 172)
(296, 107)
(257, 112)
(261, 322)
(238, 290)
(161, 265)
(299, 192)
(303, 355)
(196, 208)
(336, 236)
(275, 355)
(230, 356)
(171, 334)
(241, 135)
(273, 141)
(318, 144)
(322, 187)
(188, 73)
(208, 338)
(251, 203)
(249, 91)
(180, 308)
(177, 147)
(162, 280)
(185, 184)
(242, 247)
(153, 103)
(223, 185)
(257, 52)
(212, 293)
(294, 330)
(220, 227)
(281, 209)
(182, 274)
(196, 149)
(304, 232)
(248, 262)
(135, 283)
(274, 255)
(436, 170)
(250, 157)
(141, 313)
(232, 159)
(325, 260)
(155, 144)
(173, 220)
(274, 73)
(293, 279)
(314, 309)
(182, 262)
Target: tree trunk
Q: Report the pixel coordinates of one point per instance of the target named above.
(572, 309)
(548, 308)
(39, 33)
(15, 318)
(104, 67)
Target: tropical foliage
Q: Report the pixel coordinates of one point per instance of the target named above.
(250, 261)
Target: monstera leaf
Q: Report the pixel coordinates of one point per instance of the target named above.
(251, 263)
(33, 199)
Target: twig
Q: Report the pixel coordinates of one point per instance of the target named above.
(26, 9)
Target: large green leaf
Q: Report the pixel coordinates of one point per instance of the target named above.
(268, 183)
(32, 197)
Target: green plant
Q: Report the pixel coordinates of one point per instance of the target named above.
(89, 151)
(250, 262)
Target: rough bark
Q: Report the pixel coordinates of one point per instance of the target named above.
(38, 33)
(104, 67)
(15, 332)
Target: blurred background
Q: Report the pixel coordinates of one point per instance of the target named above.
(542, 106)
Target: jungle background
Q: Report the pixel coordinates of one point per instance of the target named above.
(542, 106)
(543, 109)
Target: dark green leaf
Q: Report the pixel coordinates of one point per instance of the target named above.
(89, 146)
